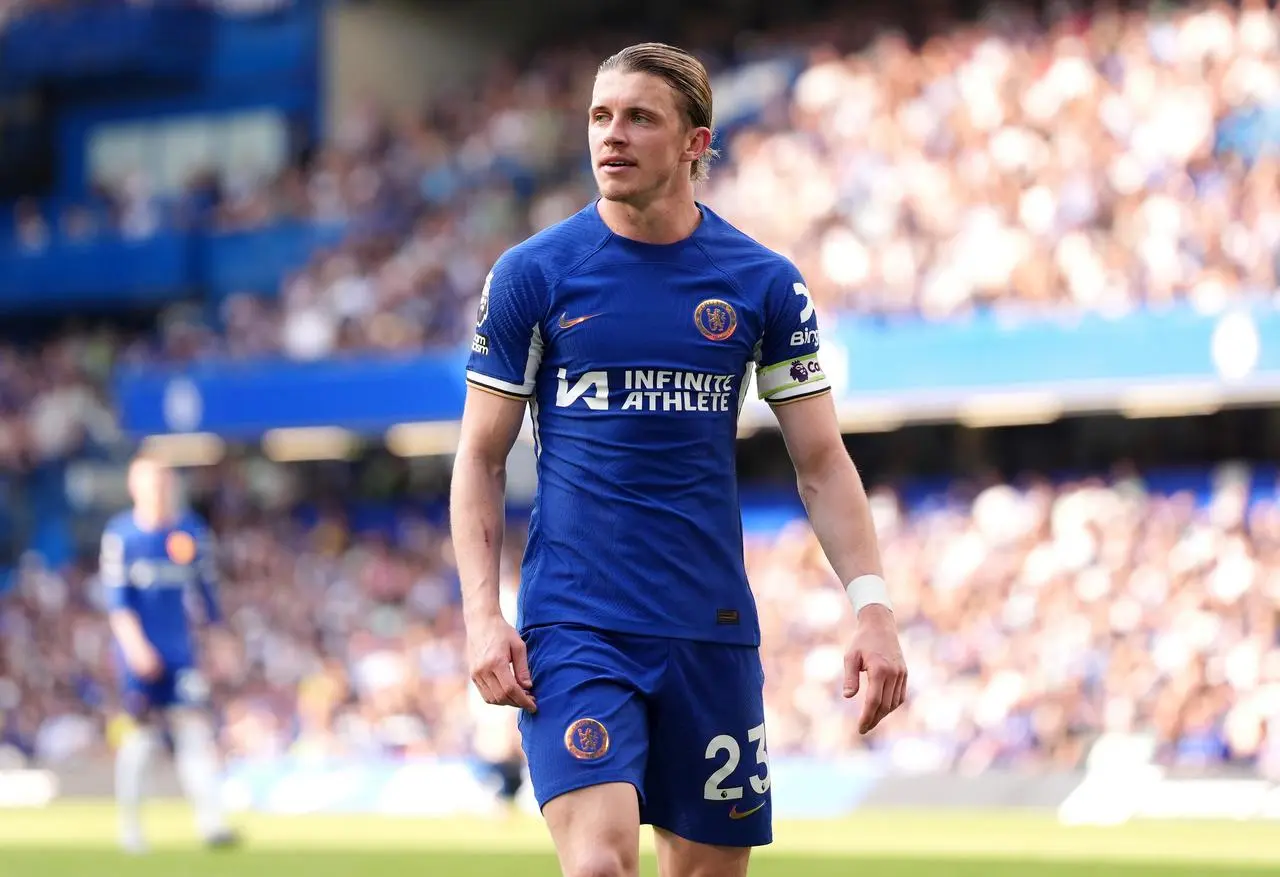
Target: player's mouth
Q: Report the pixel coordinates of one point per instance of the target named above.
(616, 165)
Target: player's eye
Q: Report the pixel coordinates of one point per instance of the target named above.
(639, 117)
(599, 117)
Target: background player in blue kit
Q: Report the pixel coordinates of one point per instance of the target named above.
(632, 329)
(153, 558)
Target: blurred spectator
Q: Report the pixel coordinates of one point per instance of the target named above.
(52, 401)
(30, 229)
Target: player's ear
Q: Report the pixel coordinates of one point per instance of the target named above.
(697, 142)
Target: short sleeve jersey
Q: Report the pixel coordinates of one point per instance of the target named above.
(635, 359)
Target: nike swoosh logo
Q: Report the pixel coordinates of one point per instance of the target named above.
(566, 323)
(735, 814)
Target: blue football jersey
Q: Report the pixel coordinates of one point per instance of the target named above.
(155, 573)
(635, 359)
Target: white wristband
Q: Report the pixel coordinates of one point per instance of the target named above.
(866, 590)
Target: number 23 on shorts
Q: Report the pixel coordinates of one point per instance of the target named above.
(712, 790)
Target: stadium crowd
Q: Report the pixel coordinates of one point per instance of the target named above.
(1029, 169)
(52, 400)
(1110, 161)
(1034, 618)
(1079, 167)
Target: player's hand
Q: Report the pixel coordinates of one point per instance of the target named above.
(144, 661)
(499, 664)
(876, 652)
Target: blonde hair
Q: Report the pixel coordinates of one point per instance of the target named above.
(684, 73)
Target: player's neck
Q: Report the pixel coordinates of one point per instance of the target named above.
(151, 519)
(663, 221)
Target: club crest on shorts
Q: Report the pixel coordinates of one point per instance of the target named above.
(586, 739)
(180, 547)
(715, 318)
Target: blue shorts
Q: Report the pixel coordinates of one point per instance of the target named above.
(176, 687)
(682, 721)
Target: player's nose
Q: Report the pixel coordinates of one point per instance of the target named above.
(615, 134)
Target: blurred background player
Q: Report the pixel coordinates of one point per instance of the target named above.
(153, 556)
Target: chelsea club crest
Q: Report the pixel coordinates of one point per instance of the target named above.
(587, 739)
(715, 318)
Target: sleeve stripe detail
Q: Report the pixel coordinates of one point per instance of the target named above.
(796, 389)
(778, 403)
(498, 392)
(494, 392)
(497, 385)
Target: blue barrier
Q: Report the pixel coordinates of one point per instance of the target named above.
(918, 369)
(256, 261)
(108, 271)
(175, 40)
(279, 45)
(123, 273)
(989, 352)
(89, 41)
(243, 400)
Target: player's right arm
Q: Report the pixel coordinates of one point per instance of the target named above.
(141, 656)
(505, 355)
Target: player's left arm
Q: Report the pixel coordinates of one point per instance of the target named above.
(831, 488)
(837, 505)
(790, 378)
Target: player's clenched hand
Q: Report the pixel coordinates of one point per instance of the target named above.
(499, 664)
(876, 652)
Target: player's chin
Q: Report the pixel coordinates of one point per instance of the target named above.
(612, 189)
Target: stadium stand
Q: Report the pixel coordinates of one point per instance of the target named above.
(1035, 618)
(1108, 163)
(1111, 162)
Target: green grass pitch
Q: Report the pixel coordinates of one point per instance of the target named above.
(76, 839)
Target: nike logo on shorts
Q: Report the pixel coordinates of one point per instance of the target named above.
(734, 813)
